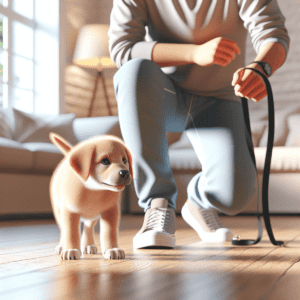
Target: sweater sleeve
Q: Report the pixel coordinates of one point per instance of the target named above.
(264, 22)
(127, 32)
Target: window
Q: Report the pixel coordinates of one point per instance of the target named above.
(29, 55)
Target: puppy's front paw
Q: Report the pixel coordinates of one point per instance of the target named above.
(58, 249)
(91, 249)
(115, 253)
(70, 254)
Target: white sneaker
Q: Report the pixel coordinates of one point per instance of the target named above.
(158, 229)
(206, 223)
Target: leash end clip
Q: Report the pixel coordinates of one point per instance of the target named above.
(236, 238)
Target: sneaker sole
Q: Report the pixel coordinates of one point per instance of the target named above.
(152, 239)
(220, 235)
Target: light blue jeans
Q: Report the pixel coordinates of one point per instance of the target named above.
(150, 104)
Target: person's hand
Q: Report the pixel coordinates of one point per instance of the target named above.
(249, 84)
(218, 51)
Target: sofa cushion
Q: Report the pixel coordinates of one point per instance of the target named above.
(173, 137)
(293, 138)
(182, 143)
(284, 159)
(259, 114)
(257, 131)
(85, 128)
(35, 128)
(46, 156)
(184, 159)
(14, 156)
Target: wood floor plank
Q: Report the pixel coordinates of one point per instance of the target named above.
(266, 271)
(287, 286)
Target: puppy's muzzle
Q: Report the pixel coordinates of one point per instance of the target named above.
(124, 174)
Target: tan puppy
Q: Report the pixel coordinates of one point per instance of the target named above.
(86, 184)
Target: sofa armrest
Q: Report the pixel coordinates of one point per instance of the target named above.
(85, 128)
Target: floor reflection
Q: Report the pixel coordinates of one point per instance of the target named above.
(146, 285)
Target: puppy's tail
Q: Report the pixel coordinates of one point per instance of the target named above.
(64, 146)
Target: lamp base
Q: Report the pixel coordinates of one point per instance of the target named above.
(100, 77)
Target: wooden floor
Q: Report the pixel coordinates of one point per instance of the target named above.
(29, 269)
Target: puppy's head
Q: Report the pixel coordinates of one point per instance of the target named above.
(103, 163)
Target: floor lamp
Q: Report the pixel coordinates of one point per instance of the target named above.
(92, 51)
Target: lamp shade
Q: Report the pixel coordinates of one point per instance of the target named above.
(92, 50)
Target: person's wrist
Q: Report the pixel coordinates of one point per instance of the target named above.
(258, 67)
(192, 54)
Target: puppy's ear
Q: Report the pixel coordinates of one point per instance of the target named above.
(64, 146)
(81, 160)
(129, 155)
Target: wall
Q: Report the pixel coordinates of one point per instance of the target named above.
(79, 83)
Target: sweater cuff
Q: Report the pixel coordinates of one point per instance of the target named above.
(143, 50)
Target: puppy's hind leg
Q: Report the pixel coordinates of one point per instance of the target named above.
(87, 239)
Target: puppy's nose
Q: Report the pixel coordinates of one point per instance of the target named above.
(124, 173)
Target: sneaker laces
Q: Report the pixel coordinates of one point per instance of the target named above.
(158, 219)
(212, 219)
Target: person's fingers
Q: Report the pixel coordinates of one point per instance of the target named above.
(230, 55)
(260, 94)
(237, 77)
(248, 75)
(250, 85)
(221, 61)
(230, 45)
(253, 92)
(244, 78)
(222, 58)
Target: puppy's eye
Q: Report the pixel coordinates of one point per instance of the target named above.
(105, 161)
(124, 160)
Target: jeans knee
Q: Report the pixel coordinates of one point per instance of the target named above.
(139, 81)
(234, 200)
(135, 71)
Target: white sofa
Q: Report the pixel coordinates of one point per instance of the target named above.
(27, 158)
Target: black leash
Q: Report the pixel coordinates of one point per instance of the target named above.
(266, 173)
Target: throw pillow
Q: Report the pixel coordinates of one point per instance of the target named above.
(6, 118)
(29, 128)
(293, 138)
(257, 130)
(282, 112)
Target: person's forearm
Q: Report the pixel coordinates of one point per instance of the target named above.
(216, 51)
(273, 53)
(172, 54)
